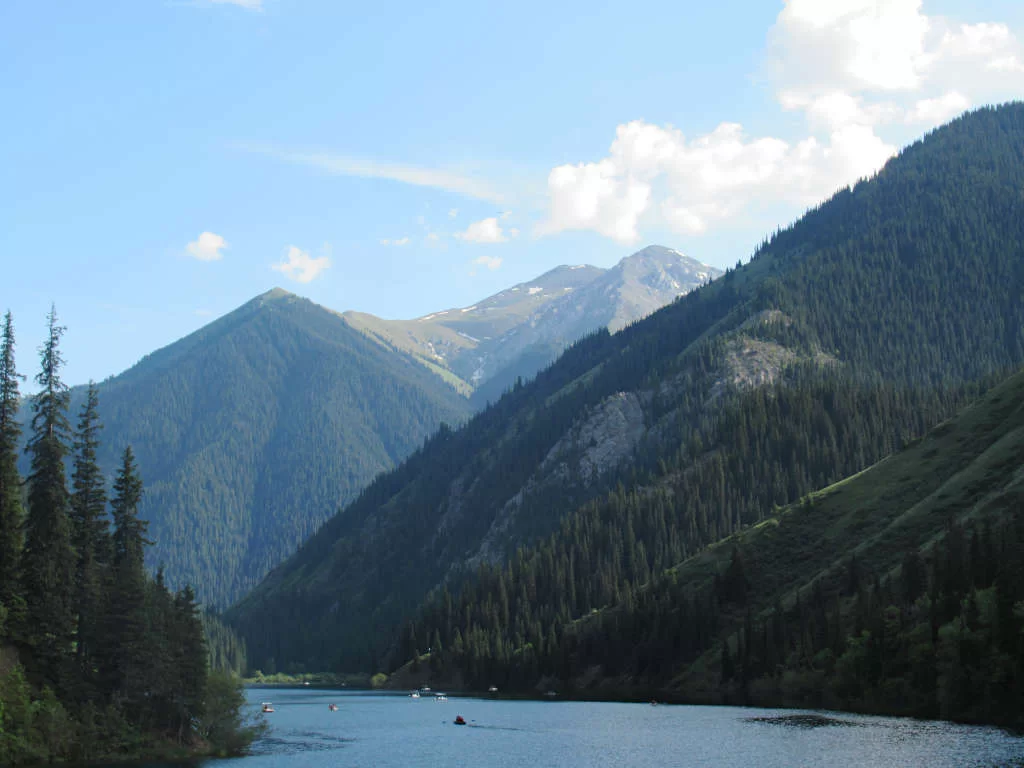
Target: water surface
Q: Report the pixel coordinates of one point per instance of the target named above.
(375, 729)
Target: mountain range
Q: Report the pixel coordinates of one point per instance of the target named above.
(846, 337)
(255, 429)
(513, 334)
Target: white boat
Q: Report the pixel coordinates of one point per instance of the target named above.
(414, 695)
(440, 697)
(266, 706)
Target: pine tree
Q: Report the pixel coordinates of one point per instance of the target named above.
(193, 665)
(91, 534)
(49, 560)
(10, 480)
(125, 630)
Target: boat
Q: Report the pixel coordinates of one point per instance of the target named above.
(460, 720)
(440, 697)
(414, 695)
(266, 706)
(332, 707)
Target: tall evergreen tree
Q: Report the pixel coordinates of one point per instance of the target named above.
(49, 559)
(10, 480)
(90, 532)
(125, 629)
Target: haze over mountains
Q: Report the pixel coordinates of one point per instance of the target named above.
(253, 430)
(847, 336)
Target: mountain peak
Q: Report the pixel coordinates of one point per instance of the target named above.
(275, 294)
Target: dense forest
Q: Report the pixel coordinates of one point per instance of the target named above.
(97, 659)
(872, 318)
(256, 428)
(900, 590)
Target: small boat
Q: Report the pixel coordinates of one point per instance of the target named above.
(266, 706)
(414, 695)
(332, 707)
(460, 720)
(440, 697)
(493, 689)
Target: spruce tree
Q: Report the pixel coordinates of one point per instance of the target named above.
(10, 481)
(124, 641)
(91, 535)
(49, 560)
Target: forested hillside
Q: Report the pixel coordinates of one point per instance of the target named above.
(899, 590)
(846, 336)
(252, 431)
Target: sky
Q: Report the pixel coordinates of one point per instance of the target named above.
(165, 161)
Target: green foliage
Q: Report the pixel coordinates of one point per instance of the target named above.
(894, 591)
(115, 665)
(902, 298)
(254, 429)
(222, 724)
(10, 482)
(48, 563)
(224, 646)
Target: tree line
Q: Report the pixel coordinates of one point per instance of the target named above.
(97, 658)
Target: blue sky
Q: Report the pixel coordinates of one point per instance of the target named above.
(167, 160)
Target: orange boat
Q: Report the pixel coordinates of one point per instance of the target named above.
(460, 720)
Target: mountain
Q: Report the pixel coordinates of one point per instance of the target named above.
(253, 430)
(521, 330)
(890, 591)
(848, 334)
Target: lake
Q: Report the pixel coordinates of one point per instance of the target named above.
(382, 729)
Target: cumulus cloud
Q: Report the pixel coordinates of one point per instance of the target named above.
(886, 61)
(399, 242)
(207, 247)
(862, 73)
(701, 181)
(484, 231)
(299, 266)
(490, 262)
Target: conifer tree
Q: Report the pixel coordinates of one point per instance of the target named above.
(10, 480)
(125, 630)
(90, 531)
(49, 562)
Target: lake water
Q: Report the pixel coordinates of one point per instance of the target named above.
(375, 729)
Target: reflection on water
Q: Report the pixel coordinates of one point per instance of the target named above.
(373, 729)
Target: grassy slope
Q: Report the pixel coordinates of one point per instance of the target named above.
(967, 466)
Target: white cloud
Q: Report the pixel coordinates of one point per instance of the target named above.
(453, 213)
(299, 266)
(938, 110)
(207, 247)
(341, 165)
(433, 237)
(491, 262)
(876, 62)
(849, 44)
(399, 242)
(484, 231)
(864, 73)
(702, 181)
